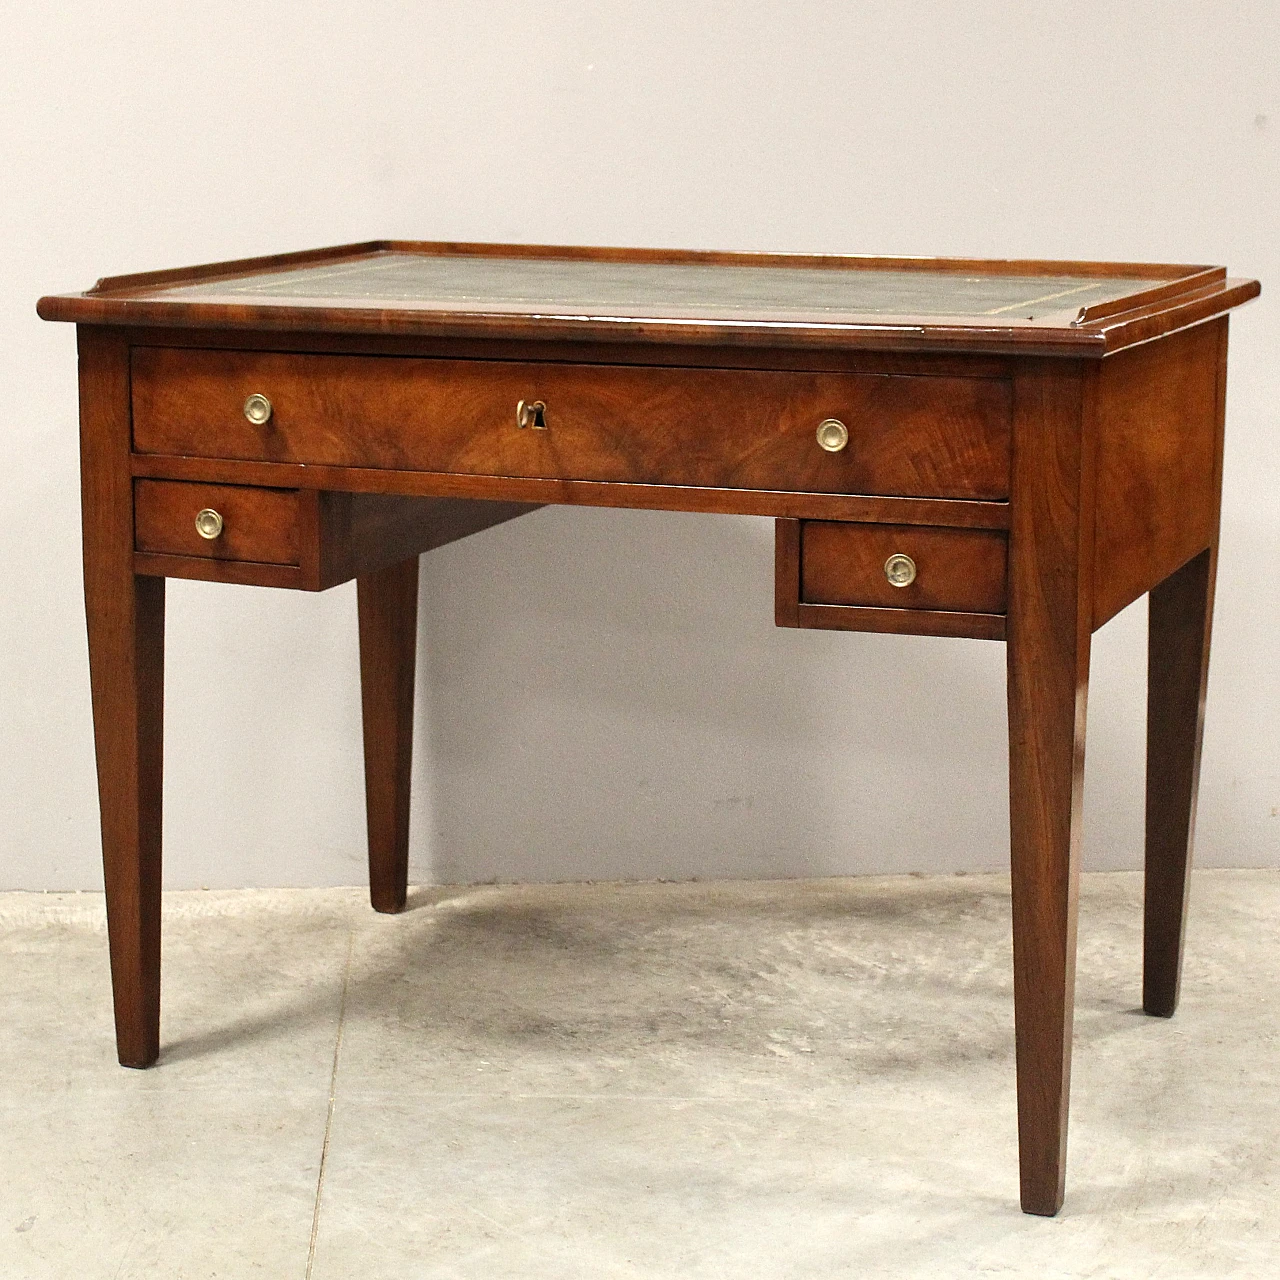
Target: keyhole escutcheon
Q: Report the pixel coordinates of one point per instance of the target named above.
(531, 413)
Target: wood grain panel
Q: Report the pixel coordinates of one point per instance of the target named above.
(259, 524)
(790, 610)
(1156, 467)
(940, 437)
(1178, 635)
(957, 570)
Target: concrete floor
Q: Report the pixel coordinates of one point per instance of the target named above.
(789, 1079)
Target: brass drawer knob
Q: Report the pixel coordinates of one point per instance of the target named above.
(209, 524)
(531, 413)
(257, 408)
(833, 435)
(900, 570)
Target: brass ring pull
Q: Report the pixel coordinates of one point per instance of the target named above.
(257, 408)
(833, 435)
(531, 413)
(209, 524)
(900, 570)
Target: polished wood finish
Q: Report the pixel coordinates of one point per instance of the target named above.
(901, 622)
(247, 573)
(1179, 623)
(1149, 301)
(957, 570)
(1044, 439)
(239, 268)
(361, 533)
(307, 539)
(786, 573)
(849, 568)
(387, 601)
(1157, 456)
(125, 617)
(258, 524)
(1049, 628)
(587, 493)
(1181, 611)
(646, 352)
(930, 437)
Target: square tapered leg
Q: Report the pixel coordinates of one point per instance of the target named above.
(1181, 609)
(1049, 626)
(387, 602)
(125, 621)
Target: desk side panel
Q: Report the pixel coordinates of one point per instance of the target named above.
(1157, 465)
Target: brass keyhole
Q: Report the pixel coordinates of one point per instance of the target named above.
(531, 413)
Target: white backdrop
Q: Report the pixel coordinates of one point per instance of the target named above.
(603, 694)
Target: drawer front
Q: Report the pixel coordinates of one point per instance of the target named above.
(255, 524)
(911, 436)
(955, 570)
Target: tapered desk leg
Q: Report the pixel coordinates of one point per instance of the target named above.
(1045, 762)
(125, 617)
(1048, 631)
(126, 666)
(1181, 610)
(387, 602)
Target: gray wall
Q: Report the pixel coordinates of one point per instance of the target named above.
(603, 694)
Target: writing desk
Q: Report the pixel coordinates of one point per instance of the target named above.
(1006, 450)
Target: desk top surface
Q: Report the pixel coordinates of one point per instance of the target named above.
(520, 292)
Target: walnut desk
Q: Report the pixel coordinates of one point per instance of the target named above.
(1005, 450)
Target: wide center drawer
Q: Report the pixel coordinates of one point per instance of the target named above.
(913, 436)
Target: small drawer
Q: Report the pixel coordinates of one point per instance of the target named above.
(216, 521)
(304, 539)
(957, 570)
(913, 579)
